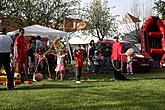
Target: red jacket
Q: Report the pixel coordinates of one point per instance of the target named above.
(116, 50)
(20, 43)
(79, 59)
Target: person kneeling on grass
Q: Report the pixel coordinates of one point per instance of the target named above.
(79, 63)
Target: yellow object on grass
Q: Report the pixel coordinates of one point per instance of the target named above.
(17, 76)
(3, 80)
(2, 71)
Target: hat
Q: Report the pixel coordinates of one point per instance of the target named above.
(116, 37)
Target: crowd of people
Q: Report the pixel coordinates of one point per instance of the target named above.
(30, 55)
(20, 56)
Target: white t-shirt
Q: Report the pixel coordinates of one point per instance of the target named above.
(38, 44)
(5, 43)
(60, 59)
(129, 60)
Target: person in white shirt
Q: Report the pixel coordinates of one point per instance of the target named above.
(5, 46)
(38, 42)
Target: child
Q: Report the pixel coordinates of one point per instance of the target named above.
(79, 63)
(31, 57)
(129, 65)
(39, 58)
(130, 54)
(96, 61)
(60, 68)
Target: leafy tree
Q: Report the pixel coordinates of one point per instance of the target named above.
(138, 11)
(141, 10)
(45, 12)
(160, 7)
(101, 21)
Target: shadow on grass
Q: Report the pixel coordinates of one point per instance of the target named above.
(145, 79)
(49, 86)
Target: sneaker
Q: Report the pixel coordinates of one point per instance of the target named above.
(78, 82)
(9, 88)
(61, 80)
(131, 73)
(34, 80)
(113, 79)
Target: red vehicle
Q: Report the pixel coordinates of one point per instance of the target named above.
(141, 61)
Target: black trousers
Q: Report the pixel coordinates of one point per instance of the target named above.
(5, 61)
(78, 73)
(117, 74)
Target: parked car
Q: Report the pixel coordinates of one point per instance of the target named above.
(141, 61)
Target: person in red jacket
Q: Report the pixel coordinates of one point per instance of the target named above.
(21, 59)
(116, 59)
(79, 63)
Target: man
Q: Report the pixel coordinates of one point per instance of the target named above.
(116, 59)
(5, 46)
(91, 51)
(38, 43)
(20, 52)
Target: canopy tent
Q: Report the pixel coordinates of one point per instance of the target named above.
(81, 38)
(42, 31)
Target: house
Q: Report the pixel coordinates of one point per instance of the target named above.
(72, 24)
(6, 22)
(128, 18)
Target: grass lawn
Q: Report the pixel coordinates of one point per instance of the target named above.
(145, 91)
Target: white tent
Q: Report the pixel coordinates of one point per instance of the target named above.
(42, 31)
(81, 38)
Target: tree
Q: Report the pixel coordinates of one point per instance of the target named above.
(142, 9)
(45, 12)
(138, 11)
(102, 23)
(160, 7)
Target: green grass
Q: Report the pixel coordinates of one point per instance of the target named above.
(145, 91)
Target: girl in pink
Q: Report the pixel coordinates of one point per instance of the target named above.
(129, 65)
(60, 68)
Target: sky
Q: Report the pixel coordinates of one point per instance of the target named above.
(121, 6)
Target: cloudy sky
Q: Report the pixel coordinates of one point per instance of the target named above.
(121, 6)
